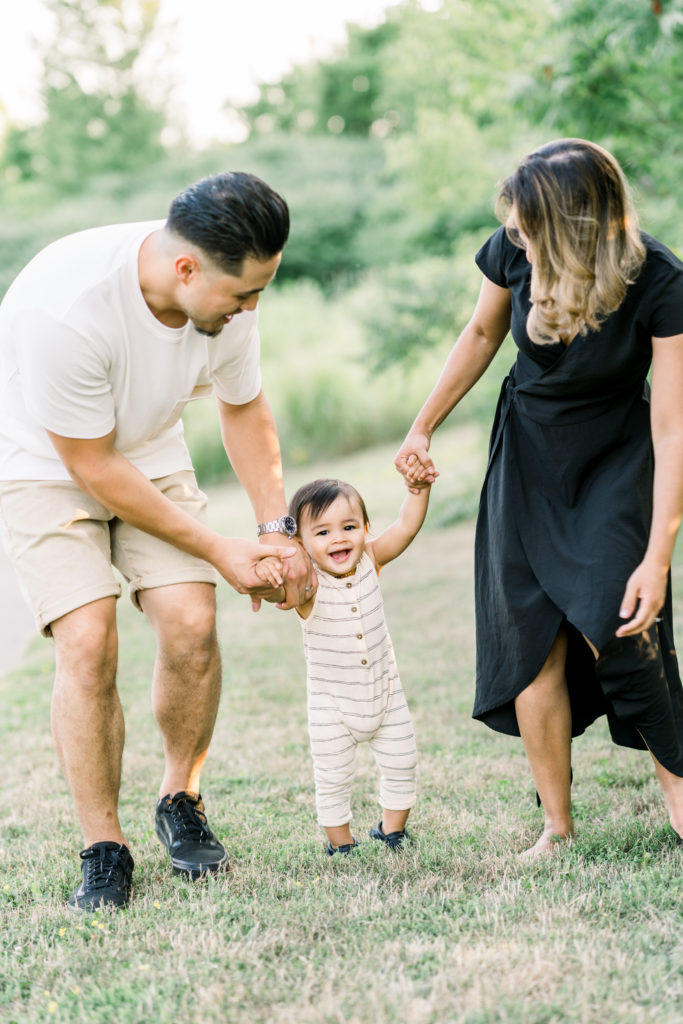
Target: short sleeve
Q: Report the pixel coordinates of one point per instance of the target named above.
(493, 259)
(665, 287)
(236, 361)
(65, 381)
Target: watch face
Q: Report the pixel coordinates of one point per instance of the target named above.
(289, 524)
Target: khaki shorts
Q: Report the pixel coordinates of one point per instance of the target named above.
(64, 543)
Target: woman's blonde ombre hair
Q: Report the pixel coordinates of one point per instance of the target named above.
(569, 204)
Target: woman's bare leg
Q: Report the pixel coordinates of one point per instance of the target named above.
(672, 786)
(544, 718)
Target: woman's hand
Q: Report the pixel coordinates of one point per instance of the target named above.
(414, 463)
(643, 598)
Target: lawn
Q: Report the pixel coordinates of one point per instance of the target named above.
(454, 929)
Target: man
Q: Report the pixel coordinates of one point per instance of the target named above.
(104, 337)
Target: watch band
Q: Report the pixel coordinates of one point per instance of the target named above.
(285, 524)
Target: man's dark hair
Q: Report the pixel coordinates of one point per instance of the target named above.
(231, 217)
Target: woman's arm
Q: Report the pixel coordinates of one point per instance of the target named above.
(646, 589)
(469, 358)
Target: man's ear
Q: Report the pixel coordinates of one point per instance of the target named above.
(185, 267)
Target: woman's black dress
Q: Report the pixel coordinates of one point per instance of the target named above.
(565, 514)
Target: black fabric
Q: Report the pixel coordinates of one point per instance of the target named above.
(566, 505)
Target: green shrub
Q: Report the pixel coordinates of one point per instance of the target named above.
(327, 398)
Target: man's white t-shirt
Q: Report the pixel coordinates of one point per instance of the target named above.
(81, 354)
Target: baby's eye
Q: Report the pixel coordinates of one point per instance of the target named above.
(322, 533)
(350, 526)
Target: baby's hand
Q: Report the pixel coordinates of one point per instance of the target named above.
(269, 570)
(418, 485)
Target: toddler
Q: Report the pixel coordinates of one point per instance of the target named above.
(354, 690)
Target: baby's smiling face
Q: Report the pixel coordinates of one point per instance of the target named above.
(335, 539)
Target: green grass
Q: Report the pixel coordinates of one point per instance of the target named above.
(455, 929)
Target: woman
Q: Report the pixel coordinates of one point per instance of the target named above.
(578, 514)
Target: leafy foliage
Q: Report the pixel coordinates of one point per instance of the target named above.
(340, 95)
(96, 118)
(438, 90)
(616, 76)
(388, 153)
(330, 186)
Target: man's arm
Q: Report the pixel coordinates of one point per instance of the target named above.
(251, 442)
(98, 468)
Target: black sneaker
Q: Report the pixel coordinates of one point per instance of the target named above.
(107, 872)
(182, 828)
(344, 848)
(394, 840)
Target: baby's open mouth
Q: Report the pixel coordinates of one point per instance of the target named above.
(340, 556)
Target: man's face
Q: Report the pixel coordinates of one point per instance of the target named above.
(210, 298)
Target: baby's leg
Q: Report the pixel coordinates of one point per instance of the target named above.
(395, 753)
(394, 821)
(333, 749)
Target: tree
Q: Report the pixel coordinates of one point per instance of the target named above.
(616, 77)
(96, 117)
(336, 96)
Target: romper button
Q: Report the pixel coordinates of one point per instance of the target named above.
(354, 609)
(359, 636)
(364, 661)
(349, 585)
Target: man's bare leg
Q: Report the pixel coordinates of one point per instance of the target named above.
(87, 720)
(544, 718)
(187, 685)
(187, 678)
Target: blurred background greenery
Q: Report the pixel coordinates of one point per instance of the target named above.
(388, 152)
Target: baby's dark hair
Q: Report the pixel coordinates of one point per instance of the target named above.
(317, 496)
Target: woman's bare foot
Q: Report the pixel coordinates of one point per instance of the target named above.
(548, 842)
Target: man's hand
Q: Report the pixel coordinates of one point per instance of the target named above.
(238, 562)
(299, 579)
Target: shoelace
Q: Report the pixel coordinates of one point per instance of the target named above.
(102, 865)
(189, 818)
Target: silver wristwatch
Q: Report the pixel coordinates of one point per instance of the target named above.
(285, 524)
